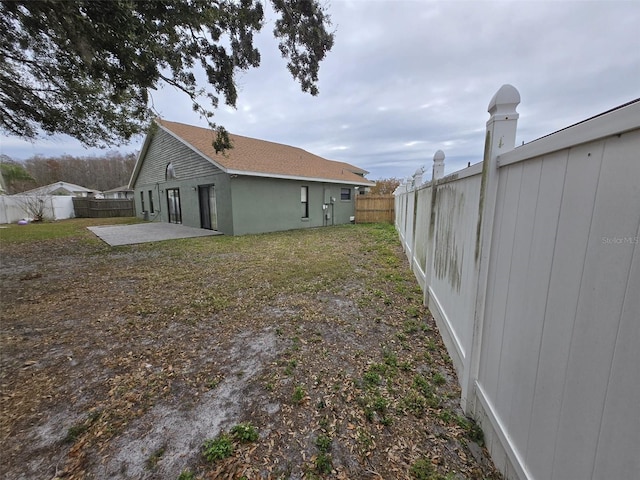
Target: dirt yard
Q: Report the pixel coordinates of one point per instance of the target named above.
(304, 354)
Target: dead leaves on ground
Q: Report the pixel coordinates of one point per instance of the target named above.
(151, 324)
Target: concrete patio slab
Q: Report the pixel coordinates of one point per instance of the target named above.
(116, 235)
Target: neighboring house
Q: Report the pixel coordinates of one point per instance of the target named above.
(257, 186)
(64, 188)
(121, 193)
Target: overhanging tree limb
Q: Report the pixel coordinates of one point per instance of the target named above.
(86, 67)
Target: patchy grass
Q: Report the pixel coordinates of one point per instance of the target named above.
(316, 337)
(155, 457)
(218, 448)
(186, 475)
(80, 428)
(299, 394)
(41, 231)
(245, 432)
(423, 469)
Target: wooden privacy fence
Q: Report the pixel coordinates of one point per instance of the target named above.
(530, 265)
(375, 208)
(103, 207)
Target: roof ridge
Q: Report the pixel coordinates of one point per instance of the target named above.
(258, 157)
(255, 139)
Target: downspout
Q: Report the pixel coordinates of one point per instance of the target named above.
(332, 219)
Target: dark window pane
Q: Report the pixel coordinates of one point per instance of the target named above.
(304, 199)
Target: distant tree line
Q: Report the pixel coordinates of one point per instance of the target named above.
(112, 170)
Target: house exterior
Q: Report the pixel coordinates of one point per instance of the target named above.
(255, 187)
(120, 193)
(64, 188)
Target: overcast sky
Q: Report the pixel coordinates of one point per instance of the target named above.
(406, 78)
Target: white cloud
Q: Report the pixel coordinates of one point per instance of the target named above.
(406, 78)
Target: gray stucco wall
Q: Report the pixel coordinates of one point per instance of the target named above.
(244, 204)
(268, 204)
(190, 170)
(343, 210)
(190, 203)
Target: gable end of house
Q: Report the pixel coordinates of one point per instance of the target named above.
(163, 148)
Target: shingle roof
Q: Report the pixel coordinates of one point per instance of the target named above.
(250, 156)
(124, 188)
(48, 189)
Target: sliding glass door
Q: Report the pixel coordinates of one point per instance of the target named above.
(173, 204)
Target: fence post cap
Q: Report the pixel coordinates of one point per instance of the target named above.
(505, 101)
(438, 156)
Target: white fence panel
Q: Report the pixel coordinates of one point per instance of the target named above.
(14, 207)
(451, 292)
(11, 210)
(598, 313)
(421, 241)
(532, 272)
(620, 420)
(409, 222)
(62, 207)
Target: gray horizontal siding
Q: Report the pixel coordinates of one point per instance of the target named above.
(164, 149)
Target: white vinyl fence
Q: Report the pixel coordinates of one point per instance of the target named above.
(530, 264)
(15, 207)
